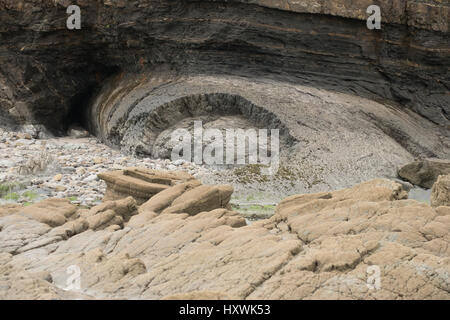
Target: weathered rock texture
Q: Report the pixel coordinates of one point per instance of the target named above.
(316, 246)
(425, 172)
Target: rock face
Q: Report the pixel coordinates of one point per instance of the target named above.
(424, 173)
(48, 70)
(316, 246)
(440, 193)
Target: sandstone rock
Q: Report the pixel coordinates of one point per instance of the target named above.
(425, 172)
(124, 207)
(316, 246)
(54, 212)
(9, 209)
(165, 198)
(440, 193)
(139, 183)
(17, 231)
(111, 213)
(201, 198)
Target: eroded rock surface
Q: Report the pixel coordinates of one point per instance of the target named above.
(316, 246)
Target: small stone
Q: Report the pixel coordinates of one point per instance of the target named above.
(90, 178)
(58, 177)
(179, 162)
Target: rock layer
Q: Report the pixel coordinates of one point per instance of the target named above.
(47, 71)
(140, 183)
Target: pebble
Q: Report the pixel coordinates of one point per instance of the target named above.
(90, 178)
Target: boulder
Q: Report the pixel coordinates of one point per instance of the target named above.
(440, 193)
(424, 173)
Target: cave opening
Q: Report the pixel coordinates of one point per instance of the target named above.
(78, 108)
(78, 113)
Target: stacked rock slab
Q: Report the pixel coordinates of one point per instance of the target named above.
(140, 183)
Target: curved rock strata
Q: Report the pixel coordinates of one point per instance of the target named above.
(48, 71)
(316, 246)
(327, 139)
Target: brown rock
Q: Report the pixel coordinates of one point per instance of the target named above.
(201, 198)
(10, 208)
(111, 213)
(165, 198)
(200, 295)
(140, 183)
(54, 212)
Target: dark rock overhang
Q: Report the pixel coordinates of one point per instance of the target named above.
(48, 73)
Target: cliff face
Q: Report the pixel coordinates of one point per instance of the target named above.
(48, 73)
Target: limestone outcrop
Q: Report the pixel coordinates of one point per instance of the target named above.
(316, 246)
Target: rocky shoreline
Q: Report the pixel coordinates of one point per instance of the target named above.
(185, 242)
